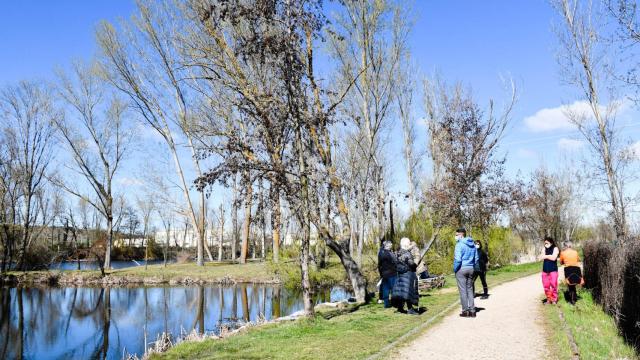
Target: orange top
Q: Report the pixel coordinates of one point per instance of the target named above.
(569, 257)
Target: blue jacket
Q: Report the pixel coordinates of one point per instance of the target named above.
(465, 254)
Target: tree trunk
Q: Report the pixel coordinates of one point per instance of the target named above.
(234, 220)
(263, 222)
(247, 219)
(204, 246)
(221, 235)
(361, 238)
(392, 230)
(107, 250)
(304, 218)
(358, 281)
(26, 232)
(304, 268)
(276, 223)
(166, 245)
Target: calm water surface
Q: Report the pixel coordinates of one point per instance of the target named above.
(105, 323)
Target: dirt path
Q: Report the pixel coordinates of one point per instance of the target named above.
(509, 327)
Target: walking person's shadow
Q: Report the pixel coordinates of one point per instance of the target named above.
(481, 295)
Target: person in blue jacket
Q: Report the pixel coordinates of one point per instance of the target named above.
(465, 261)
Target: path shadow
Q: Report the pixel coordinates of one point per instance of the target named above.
(479, 295)
(478, 309)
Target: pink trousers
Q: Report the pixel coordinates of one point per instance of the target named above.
(550, 284)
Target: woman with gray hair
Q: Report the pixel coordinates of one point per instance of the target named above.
(405, 289)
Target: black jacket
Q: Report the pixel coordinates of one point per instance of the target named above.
(405, 262)
(387, 263)
(406, 286)
(484, 260)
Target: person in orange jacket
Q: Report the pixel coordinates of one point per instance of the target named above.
(572, 272)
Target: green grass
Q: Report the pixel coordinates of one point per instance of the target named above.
(355, 335)
(594, 331)
(213, 272)
(287, 271)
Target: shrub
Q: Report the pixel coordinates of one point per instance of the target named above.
(613, 275)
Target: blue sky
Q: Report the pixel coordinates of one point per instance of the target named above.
(475, 42)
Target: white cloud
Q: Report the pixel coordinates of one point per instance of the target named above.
(570, 144)
(526, 153)
(128, 181)
(553, 119)
(634, 150)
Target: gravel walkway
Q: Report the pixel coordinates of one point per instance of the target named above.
(509, 327)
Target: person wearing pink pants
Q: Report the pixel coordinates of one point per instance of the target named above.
(550, 285)
(550, 270)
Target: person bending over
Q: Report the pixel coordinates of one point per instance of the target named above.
(572, 272)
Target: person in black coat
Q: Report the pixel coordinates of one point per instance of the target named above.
(406, 287)
(481, 271)
(387, 262)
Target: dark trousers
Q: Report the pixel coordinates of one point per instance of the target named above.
(483, 279)
(573, 294)
(400, 305)
(385, 289)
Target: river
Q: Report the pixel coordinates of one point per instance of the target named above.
(105, 323)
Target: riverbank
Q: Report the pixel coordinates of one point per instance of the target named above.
(286, 272)
(172, 274)
(370, 331)
(584, 329)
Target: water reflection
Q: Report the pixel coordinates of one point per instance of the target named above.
(102, 323)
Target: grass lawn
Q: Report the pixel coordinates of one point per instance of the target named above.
(594, 331)
(355, 335)
(287, 272)
(211, 272)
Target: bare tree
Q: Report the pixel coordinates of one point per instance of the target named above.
(411, 156)
(10, 193)
(627, 37)
(584, 63)
(369, 45)
(549, 205)
(246, 225)
(143, 62)
(147, 207)
(220, 214)
(27, 116)
(167, 217)
(234, 218)
(260, 60)
(97, 139)
(468, 187)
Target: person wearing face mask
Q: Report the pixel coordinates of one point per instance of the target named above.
(549, 259)
(481, 270)
(465, 261)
